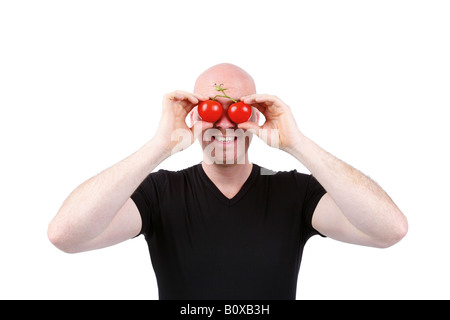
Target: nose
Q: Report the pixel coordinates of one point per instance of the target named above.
(224, 122)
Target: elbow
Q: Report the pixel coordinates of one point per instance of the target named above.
(396, 233)
(57, 235)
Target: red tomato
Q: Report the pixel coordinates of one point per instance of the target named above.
(239, 112)
(210, 110)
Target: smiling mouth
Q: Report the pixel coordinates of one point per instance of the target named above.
(224, 139)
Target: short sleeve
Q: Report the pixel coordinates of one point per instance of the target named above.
(146, 198)
(313, 193)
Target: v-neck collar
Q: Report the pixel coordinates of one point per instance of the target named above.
(215, 190)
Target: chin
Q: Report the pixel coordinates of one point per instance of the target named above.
(215, 156)
(225, 149)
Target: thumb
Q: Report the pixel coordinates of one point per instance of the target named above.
(198, 127)
(251, 126)
(270, 136)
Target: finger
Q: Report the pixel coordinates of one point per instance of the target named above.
(260, 107)
(192, 99)
(266, 99)
(250, 126)
(250, 96)
(182, 99)
(183, 96)
(252, 100)
(249, 99)
(255, 98)
(201, 97)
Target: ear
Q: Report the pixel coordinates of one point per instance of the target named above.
(255, 115)
(190, 119)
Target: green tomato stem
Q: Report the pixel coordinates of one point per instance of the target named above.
(219, 88)
(225, 96)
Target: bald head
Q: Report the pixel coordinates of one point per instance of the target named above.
(236, 80)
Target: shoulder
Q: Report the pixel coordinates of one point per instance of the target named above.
(163, 176)
(292, 176)
(289, 183)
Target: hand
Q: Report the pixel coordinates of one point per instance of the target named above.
(280, 128)
(173, 133)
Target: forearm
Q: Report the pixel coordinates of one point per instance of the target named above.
(362, 201)
(91, 207)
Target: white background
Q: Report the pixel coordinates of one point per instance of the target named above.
(81, 85)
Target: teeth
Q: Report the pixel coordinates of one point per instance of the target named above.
(224, 139)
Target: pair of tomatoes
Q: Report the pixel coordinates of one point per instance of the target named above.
(212, 110)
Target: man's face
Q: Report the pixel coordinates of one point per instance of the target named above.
(225, 143)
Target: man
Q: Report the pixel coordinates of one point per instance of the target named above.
(225, 228)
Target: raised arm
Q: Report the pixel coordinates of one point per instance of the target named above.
(100, 212)
(355, 209)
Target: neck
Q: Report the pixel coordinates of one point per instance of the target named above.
(232, 174)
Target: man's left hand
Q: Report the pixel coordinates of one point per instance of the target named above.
(280, 129)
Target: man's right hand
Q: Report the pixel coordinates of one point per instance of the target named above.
(173, 133)
(100, 212)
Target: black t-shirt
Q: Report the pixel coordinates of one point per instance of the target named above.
(206, 246)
